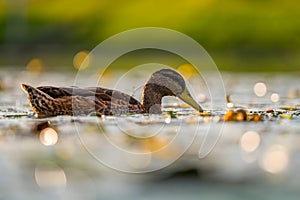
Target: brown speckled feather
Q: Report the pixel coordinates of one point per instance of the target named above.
(98, 92)
(52, 101)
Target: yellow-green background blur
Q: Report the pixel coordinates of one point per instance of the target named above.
(240, 35)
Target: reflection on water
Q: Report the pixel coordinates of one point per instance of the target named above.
(50, 176)
(46, 158)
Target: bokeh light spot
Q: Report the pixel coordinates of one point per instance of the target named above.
(260, 89)
(48, 136)
(275, 97)
(35, 65)
(250, 141)
(275, 159)
(168, 120)
(48, 175)
(230, 105)
(187, 70)
(81, 60)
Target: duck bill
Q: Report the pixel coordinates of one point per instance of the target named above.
(187, 98)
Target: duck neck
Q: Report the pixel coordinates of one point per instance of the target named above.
(151, 99)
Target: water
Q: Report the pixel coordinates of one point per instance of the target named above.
(190, 155)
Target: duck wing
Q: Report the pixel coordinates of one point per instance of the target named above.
(107, 101)
(108, 94)
(58, 92)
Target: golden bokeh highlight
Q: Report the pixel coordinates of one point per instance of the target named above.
(81, 60)
(48, 175)
(159, 147)
(48, 136)
(35, 65)
(3, 85)
(250, 141)
(275, 159)
(153, 144)
(260, 89)
(187, 70)
(236, 115)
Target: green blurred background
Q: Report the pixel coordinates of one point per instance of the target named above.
(240, 35)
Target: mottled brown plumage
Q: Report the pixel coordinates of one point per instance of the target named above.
(51, 101)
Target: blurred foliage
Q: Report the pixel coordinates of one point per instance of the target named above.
(239, 35)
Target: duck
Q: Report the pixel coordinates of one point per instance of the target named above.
(48, 101)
